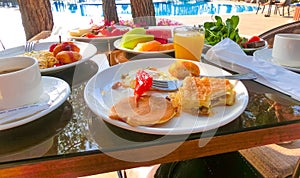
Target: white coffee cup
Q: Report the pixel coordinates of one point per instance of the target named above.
(286, 49)
(20, 82)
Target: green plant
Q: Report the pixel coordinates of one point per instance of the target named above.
(219, 30)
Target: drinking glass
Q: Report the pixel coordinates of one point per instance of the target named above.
(188, 42)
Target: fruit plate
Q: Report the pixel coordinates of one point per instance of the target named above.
(100, 38)
(117, 44)
(86, 50)
(100, 97)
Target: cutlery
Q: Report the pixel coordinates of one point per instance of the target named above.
(172, 85)
(29, 46)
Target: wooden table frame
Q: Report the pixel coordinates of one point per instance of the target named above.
(98, 162)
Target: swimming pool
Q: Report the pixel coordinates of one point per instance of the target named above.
(174, 9)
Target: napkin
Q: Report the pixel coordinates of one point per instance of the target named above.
(229, 55)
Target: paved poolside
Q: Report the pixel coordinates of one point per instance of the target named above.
(250, 23)
(12, 32)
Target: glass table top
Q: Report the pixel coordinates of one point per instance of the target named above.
(73, 130)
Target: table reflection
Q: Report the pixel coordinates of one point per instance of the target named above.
(23, 142)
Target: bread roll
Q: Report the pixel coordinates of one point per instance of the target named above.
(181, 69)
(67, 57)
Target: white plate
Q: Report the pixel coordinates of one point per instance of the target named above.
(86, 50)
(98, 96)
(105, 38)
(117, 45)
(266, 54)
(54, 88)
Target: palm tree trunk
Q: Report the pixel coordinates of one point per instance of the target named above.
(110, 11)
(36, 16)
(143, 12)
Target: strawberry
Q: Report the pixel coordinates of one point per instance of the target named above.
(51, 48)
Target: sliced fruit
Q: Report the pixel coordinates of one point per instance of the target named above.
(141, 31)
(130, 41)
(148, 46)
(160, 33)
(164, 47)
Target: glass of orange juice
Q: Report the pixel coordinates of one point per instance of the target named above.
(188, 42)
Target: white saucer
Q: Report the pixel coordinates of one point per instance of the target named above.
(266, 54)
(54, 88)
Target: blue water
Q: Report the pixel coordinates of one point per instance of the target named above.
(168, 8)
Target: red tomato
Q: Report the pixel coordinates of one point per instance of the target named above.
(253, 39)
(143, 83)
(58, 64)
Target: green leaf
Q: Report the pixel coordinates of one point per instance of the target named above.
(235, 21)
(218, 30)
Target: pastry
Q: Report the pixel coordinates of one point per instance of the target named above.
(199, 95)
(183, 68)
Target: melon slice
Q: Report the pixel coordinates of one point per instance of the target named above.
(130, 41)
(141, 31)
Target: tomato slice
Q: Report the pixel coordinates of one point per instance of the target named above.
(253, 39)
(143, 83)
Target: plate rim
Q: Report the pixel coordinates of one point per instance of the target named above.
(270, 59)
(170, 131)
(117, 45)
(59, 101)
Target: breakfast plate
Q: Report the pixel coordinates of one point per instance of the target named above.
(86, 50)
(117, 45)
(100, 97)
(56, 91)
(266, 54)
